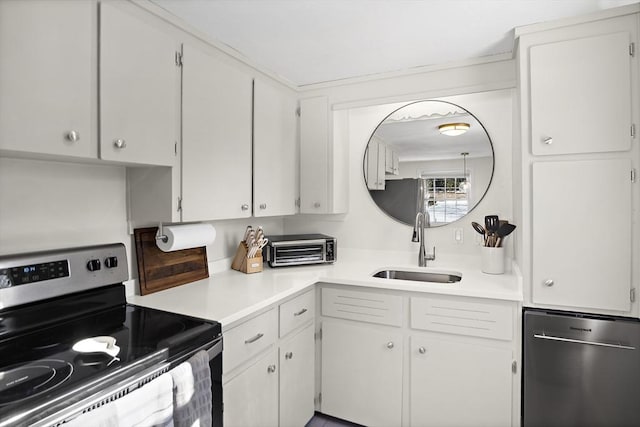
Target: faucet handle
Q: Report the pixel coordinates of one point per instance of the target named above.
(432, 256)
(414, 237)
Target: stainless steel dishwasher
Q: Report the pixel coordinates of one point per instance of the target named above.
(580, 370)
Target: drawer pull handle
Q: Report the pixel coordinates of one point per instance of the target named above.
(253, 339)
(271, 369)
(288, 355)
(301, 312)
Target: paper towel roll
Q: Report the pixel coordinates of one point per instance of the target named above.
(186, 236)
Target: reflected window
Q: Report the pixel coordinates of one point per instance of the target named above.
(446, 199)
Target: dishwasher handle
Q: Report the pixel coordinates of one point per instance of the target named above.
(571, 340)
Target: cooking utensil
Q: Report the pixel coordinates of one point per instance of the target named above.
(504, 231)
(491, 224)
(480, 230)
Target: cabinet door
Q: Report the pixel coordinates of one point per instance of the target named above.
(275, 188)
(216, 138)
(581, 95)
(582, 234)
(297, 373)
(251, 398)
(314, 152)
(139, 90)
(362, 374)
(375, 164)
(47, 52)
(459, 384)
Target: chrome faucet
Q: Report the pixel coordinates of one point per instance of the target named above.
(422, 221)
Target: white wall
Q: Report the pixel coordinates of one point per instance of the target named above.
(53, 205)
(365, 226)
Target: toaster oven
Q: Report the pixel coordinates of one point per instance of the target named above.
(300, 249)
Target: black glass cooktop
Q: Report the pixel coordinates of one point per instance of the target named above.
(38, 363)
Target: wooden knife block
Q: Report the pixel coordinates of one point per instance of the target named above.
(244, 264)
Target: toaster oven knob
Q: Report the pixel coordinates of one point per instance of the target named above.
(93, 265)
(111, 262)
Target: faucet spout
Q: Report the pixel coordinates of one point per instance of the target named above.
(422, 221)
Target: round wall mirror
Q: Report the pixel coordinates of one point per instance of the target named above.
(428, 156)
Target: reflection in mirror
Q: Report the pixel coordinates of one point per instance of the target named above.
(431, 156)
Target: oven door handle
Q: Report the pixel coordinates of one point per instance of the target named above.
(570, 340)
(215, 350)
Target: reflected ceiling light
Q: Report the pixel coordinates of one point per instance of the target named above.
(453, 129)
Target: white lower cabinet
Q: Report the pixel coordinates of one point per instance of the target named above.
(251, 398)
(297, 368)
(362, 373)
(457, 383)
(405, 359)
(270, 382)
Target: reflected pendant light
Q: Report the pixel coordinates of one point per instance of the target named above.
(453, 129)
(466, 184)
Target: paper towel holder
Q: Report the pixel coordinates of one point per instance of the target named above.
(160, 234)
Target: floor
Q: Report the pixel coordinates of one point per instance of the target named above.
(322, 420)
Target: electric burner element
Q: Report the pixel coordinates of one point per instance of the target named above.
(19, 382)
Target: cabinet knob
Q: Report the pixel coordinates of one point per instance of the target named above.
(288, 355)
(390, 345)
(120, 143)
(271, 369)
(548, 140)
(422, 350)
(263, 206)
(245, 207)
(316, 205)
(548, 282)
(73, 136)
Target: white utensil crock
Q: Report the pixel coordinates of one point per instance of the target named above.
(492, 260)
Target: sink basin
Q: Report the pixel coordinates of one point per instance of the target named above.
(419, 276)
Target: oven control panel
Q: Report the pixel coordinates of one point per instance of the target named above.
(34, 276)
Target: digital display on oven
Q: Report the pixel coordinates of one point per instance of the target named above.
(36, 272)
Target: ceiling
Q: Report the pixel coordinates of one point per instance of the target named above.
(313, 41)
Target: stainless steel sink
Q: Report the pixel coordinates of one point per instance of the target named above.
(419, 276)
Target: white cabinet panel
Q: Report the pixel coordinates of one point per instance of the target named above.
(275, 189)
(139, 90)
(296, 312)
(581, 95)
(459, 384)
(582, 233)
(324, 155)
(216, 132)
(372, 307)
(251, 398)
(47, 57)
(249, 339)
(297, 371)
(479, 318)
(362, 374)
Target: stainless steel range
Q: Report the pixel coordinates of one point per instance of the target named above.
(69, 342)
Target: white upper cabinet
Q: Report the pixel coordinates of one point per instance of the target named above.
(582, 234)
(139, 90)
(275, 189)
(47, 69)
(216, 132)
(578, 88)
(581, 95)
(324, 154)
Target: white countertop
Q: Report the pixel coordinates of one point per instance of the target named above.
(230, 296)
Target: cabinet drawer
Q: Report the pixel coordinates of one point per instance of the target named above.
(487, 319)
(248, 339)
(296, 312)
(362, 306)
